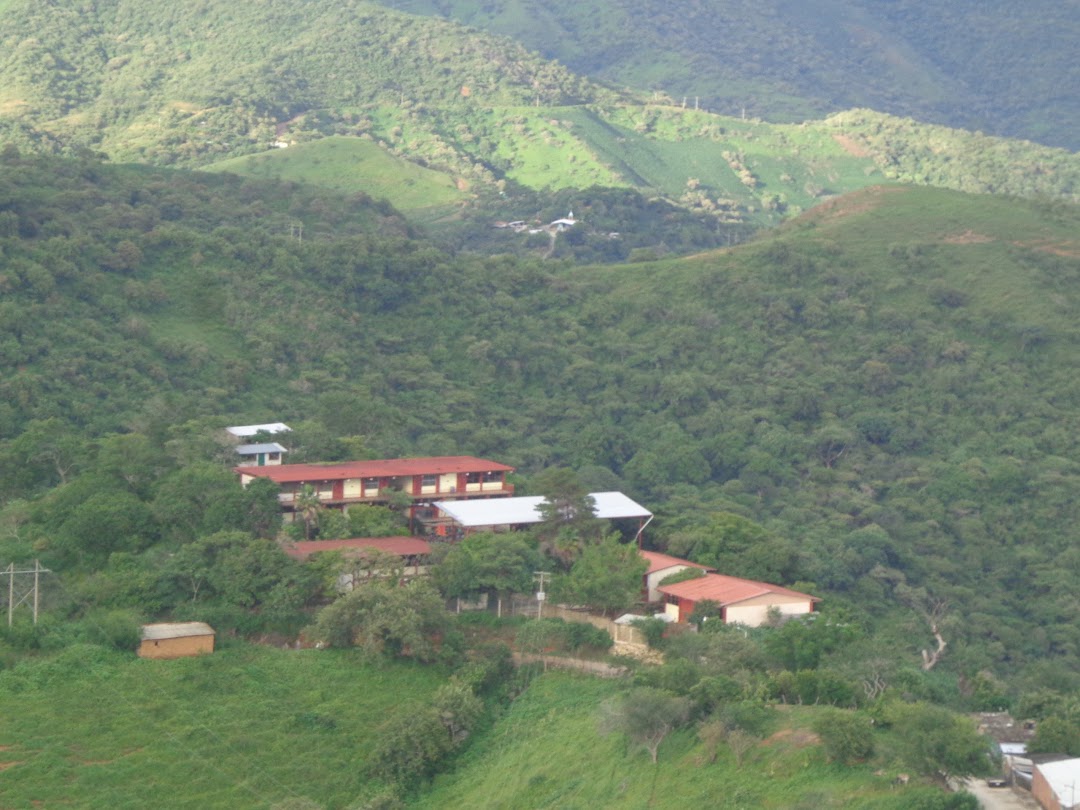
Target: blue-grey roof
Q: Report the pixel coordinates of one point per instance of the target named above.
(255, 449)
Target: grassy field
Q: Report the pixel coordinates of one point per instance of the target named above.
(245, 727)
(547, 752)
(350, 165)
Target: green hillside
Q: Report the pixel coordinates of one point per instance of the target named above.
(205, 86)
(267, 728)
(548, 751)
(970, 65)
(350, 165)
(246, 727)
(883, 384)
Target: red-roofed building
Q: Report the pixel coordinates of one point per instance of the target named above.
(742, 601)
(339, 484)
(662, 566)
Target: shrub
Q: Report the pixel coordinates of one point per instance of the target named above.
(492, 665)
(579, 635)
(847, 737)
(653, 629)
(412, 747)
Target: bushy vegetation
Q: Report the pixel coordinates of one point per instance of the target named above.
(866, 405)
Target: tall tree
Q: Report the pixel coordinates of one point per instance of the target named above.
(608, 576)
(495, 564)
(647, 716)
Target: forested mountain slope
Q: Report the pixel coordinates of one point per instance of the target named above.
(489, 123)
(886, 384)
(997, 66)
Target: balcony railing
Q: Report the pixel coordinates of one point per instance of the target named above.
(426, 494)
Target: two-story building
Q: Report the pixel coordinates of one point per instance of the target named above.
(262, 453)
(423, 480)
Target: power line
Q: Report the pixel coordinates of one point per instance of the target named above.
(31, 593)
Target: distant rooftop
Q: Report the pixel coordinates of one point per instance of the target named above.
(156, 632)
(517, 511)
(658, 562)
(245, 431)
(727, 590)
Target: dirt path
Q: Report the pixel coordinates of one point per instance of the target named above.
(1005, 798)
(554, 662)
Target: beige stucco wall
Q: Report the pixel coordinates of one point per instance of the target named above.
(653, 580)
(754, 612)
(176, 647)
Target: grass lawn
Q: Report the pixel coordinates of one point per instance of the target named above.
(246, 727)
(350, 165)
(547, 752)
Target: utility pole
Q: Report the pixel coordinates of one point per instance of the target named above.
(31, 595)
(541, 577)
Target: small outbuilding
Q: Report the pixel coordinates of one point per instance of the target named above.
(742, 601)
(176, 640)
(1054, 784)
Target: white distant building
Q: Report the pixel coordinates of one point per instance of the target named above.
(466, 517)
(261, 454)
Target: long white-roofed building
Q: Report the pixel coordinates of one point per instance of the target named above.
(460, 518)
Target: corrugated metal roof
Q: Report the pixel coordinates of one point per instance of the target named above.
(250, 430)
(254, 449)
(658, 562)
(727, 590)
(517, 511)
(386, 468)
(402, 546)
(156, 632)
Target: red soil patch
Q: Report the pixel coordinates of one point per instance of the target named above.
(852, 147)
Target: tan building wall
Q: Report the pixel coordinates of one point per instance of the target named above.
(182, 647)
(653, 580)
(754, 612)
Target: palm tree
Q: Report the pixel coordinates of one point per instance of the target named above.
(308, 507)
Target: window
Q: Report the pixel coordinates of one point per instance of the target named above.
(491, 477)
(472, 478)
(428, 480)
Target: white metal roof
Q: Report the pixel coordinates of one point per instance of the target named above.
(515, 511)
(153, 632)
(242, 431)
(252, 449)
(1064, 778)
